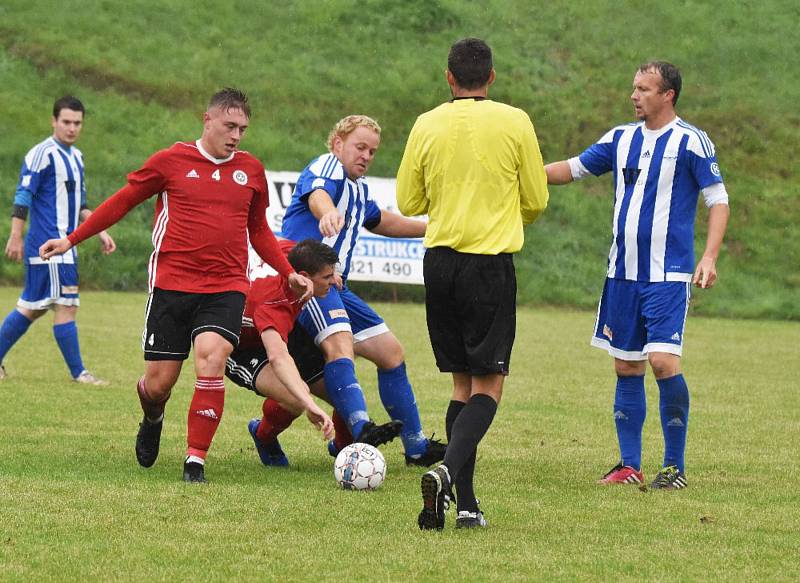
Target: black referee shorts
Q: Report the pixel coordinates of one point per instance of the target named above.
(173, 319)
(471, 306)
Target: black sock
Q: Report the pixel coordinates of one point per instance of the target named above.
(465, 494)
(453, 410)
(468, 429)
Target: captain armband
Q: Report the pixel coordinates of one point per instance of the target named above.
(20, 212)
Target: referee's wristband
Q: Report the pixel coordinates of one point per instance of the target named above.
(20, 212)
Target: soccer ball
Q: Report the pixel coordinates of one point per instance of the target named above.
(359, 466)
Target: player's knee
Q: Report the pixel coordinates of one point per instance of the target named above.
(211, 362)
(338, 345)
(628, 368)
(665, 365)
(385, 351)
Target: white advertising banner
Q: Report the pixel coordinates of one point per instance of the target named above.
(375, 258)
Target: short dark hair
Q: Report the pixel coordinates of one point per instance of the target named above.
(67, 102)
(312, 256)
(230, 98)
(470, 62)
(670, 76)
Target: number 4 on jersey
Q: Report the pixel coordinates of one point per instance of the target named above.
(215, 175)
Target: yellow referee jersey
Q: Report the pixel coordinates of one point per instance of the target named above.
(474, 167)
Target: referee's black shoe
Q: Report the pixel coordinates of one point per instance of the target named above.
(436, 494)
(376, 435)
(433, 455)
(148, 441)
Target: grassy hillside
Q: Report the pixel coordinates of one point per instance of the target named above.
(145, 73)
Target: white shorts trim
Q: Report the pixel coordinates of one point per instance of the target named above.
(616, 352)
(663, 347)
(331, 330)
(633, 355)
(48, 303)
(673, 276)
(368, 333)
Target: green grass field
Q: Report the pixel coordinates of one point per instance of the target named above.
(75, 506)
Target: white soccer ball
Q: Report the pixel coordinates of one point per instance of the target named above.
(359, 466)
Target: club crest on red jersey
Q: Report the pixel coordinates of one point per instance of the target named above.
(240, 177)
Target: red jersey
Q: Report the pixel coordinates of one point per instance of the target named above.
(204, 211)
(270, 304)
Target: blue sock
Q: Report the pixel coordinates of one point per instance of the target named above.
(674, 406)
(14, 326)
(345, 394)
(67, 338)
(630, 411)
(398, 399)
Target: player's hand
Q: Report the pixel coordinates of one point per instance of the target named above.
(108, 245)
(320, 419)
(15, 248)
(337, 280)
(705, 275)
(54, 247)
(331, 223)
(302, 287)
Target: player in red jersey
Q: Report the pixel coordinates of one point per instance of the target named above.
(210, 196)
(269, 337)
(262, 359)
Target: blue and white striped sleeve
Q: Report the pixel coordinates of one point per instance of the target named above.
(597, 159)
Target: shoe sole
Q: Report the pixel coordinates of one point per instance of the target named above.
(428, 519)
(147, 459)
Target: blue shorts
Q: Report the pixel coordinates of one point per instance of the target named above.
(638, 317)
(49, 283)
(340, 310)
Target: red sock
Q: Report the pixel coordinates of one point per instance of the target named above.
(343, 437)
(153, 410)
(275, 420)
(205, 413)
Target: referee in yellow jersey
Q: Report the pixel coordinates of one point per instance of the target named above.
(474, 167)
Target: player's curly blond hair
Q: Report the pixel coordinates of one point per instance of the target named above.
(345, 126)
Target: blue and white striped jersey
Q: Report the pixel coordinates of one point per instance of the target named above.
(51, 184)
(658, 175)
(351, 198)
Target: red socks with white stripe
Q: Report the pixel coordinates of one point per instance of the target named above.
(205, 413)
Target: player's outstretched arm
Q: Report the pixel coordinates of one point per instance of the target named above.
(302, 287)
(108, 245)
(558, 172)
(322, 207)
(286, 371)
(394, 225)
(53, 247)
